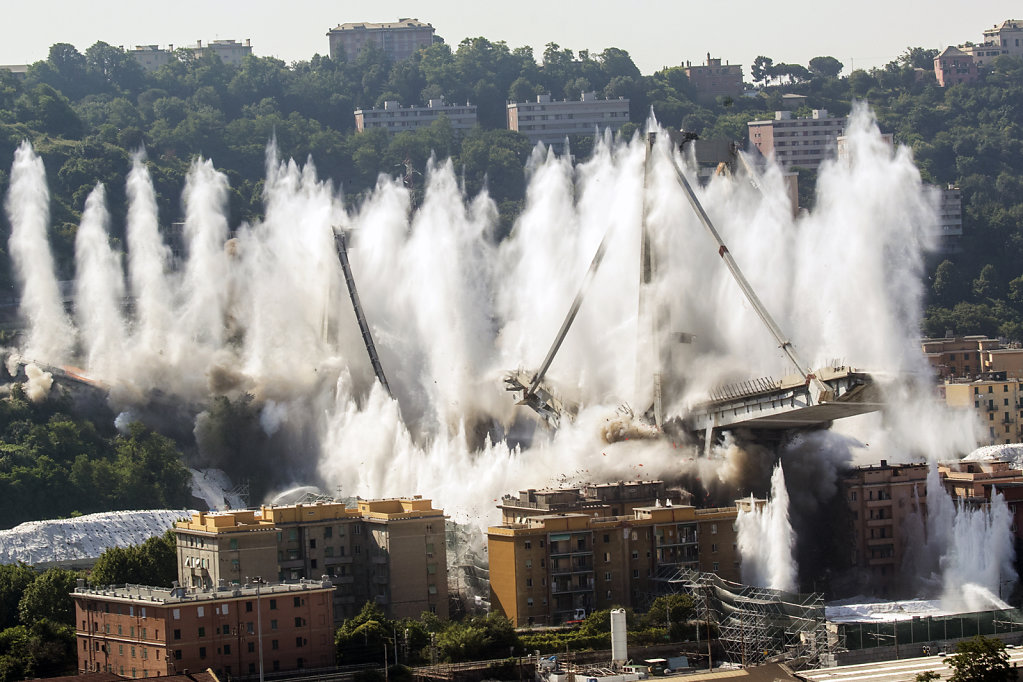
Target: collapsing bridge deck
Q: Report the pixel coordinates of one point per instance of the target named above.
(786, 404)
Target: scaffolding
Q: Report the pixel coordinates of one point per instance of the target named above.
(756, 625)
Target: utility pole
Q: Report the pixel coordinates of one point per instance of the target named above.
(259, 627)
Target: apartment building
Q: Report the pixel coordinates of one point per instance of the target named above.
(1005, 38)
(551, 121)
(598, 500)
(996, 401)
(138, 631)
(398, 39)
(881, 498)
(974, 483)
(960, 356)
(395, 118)
(714, 79)
(950, 218)
(954, 66)
(802, 142)
(152, 57)
(392, 552)
(551, 568)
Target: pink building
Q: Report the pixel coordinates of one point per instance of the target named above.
(954, 66)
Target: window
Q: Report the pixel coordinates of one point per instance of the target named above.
(527, 544)
(227, 647)
(177, 654)
(429, 528)
(202, 632)
(312, 563)
(713, 528)
(249, 629)
(225, 630)
(529, 563)
(298, 621)
(328, 532)
(200, 611)
(273, 624)
(298, 641)
(635, 573)
(177, 634)
(312, 543)
(357, 529)
(233, 544)
(607, 538)
(202, 652)
(292, 534)
(432, 589)
(252, 647)
(273, 644)
(635, 554)
(713, 548)
(607, 576)
(248, 607)
(273, 604)
(431, 569)
(529, 601)
(176, 613)
(529, 582)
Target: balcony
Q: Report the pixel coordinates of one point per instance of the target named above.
(572, 587)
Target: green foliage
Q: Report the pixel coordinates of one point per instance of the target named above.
(48, 597)
(52, 464)
(14, 579)
(672, 610)
(479, 638)
(827, 67)
(927, 676)
(980, 659)
(42, 649)
(154, 562)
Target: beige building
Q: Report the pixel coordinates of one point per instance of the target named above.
(152, 57)
(714, 79)
(395, 118)
(996, 401)
(599, 500)
(389, 551)
(959, 356)
(1005, 38)
(550, 121)
(398, 39)
(880, 499)
(553, 568)
(797, 142)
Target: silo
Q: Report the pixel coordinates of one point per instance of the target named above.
(619, 648)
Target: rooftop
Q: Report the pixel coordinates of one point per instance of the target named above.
(180, 595)
(368, 25)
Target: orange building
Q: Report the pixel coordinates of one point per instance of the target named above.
(558, 567)
(139, 631)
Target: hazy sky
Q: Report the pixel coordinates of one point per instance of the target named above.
(864, 33)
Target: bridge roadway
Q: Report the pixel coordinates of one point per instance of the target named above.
(901, 670)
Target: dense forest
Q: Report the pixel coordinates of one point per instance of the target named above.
(86, 113)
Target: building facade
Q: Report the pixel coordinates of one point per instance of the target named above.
(881, 499)
(392, 552)
(599, 500)
(550, 122)
(152, 57)
(713, 80)
(399, 39)
(139, 631)
(950, 219)
(553, 568)
(795, 141)
(1005, 38)
(996, 401)
(954, 66)
(959, 356)
(395, 118)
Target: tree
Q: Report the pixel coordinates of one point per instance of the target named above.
(43, 649)
(980, 659)
(49, 598)
(761, 68)
(927, 676)
(827, 67)
(154, 562)
(14, 578)
(918, 58)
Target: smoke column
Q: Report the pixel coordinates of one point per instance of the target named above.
(99, 290)
(766, 541)
(261, 311)
(50, 335)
